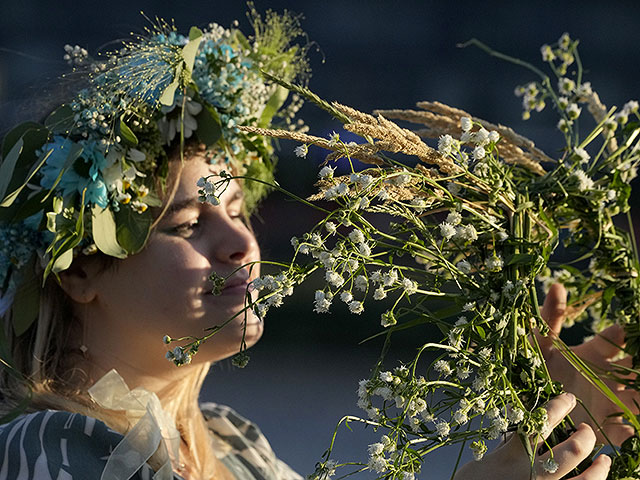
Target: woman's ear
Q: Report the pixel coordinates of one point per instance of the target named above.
(80, 279)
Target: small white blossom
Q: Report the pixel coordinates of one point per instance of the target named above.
(364, 249)
(443, 368)
(466, 124)
(361, 283)
(447, 230)
(584, 181)
(386, 377)
(356, 307)
(481, 139)
(573, 111)
(346, 297)
(564, 125)
(445, 143)
(566, 86)
(479, 448)
(322, 302)
(326, 173)
(390, 278)
(467, 307)
(334, 138)
(330, 227)
(550, 465)
(515, 416)
(301, 151)
(547, 53)
(410, 287)
(631, 106)
(454, 218)
(494, 136)
(379, 293)
(356, 236)
(467, 233)
(388, 319)
(464, 266)
(494, 263)
(460, 417)
(442, 429)
(563, 102)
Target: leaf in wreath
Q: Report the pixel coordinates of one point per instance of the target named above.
(209, 127)
(8, 166)
(26, 303)
(61, 120)
(169, 93)
(132, 229)
(9, 199)
(273, 105)
(127, 134)
(103, 227)
(62, 261)
(190, 49)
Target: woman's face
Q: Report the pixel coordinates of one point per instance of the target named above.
(165, 290)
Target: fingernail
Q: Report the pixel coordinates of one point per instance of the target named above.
(607, 459)
(571, 397)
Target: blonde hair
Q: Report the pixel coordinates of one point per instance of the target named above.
(44, 370)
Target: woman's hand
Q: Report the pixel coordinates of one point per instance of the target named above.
(511, 460)
(598, 353)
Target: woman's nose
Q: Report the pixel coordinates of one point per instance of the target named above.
(236, 243)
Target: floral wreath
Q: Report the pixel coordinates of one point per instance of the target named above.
(83, 180)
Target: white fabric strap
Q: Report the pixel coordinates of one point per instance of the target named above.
(152, 425)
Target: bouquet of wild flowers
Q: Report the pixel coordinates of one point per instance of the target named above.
(463, 237)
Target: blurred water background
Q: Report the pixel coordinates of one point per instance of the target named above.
(368, 54)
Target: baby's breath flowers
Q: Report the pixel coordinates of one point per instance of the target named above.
(463, 238)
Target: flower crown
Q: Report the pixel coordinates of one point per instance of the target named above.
(84, 179)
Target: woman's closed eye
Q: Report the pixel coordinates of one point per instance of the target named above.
(187, 229)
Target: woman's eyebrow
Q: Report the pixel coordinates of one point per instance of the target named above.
(192, 202)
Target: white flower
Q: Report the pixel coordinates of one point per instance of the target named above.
(356, 236)
(550, 465)
(467, 233)
(275, 300)
(356, 307)
(479, 384)
(584, 181)
(547, 53)
(564, 125)
(382, 195)
(515, 415)
(443, 368)
(494, 136)
(342, 188)
(386, 377)
(566, 86)
(494, 263)
(466, 124)
(454, 188)
(379, 293)
(462, 320)
(454, 218)
(410, 287)
(479, 448)
(502, 235)
(447, 230)
(611, 195)
(346, 297)
(326, 173)
(388, 319)
(445, 142)
(464, 266)
(361, 283)
(481, 138)
(330, 227)
(460, 417)
(442, 428)
(364, 249)
(376, 449)
(334, 278)
(334, 138)
(467, 307)
(563, 102)
(301, 151)
(630, 107)
(573, 111)
(584, 91)
(463, 372)
(390, 278)
(322, 302)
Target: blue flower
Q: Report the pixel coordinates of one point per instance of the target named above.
(71, 181)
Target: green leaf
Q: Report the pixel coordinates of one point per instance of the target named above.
(61, 120)
(63, 261)
(126, 134)
(132, 229)
(273, 105)
(19, 131)
(9, 199)
(26, 303)
(209, 128)
(521, 259)
(169, 93)
(9, 165)
(104, 232)
(190, 50)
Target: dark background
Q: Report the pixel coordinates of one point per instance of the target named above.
(370, 54)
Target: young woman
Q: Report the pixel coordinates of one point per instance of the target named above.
(103, 209)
